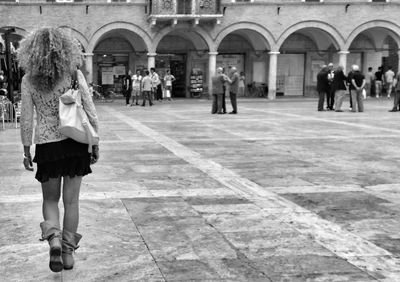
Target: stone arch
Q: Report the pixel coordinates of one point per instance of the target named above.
(393, 30)
(333, 33)
(264, 33)
(78, 35)
(94, 40)
(199, 31)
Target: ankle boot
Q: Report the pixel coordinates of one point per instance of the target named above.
(52, 234)
(70, 242)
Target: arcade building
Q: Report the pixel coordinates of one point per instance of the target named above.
(279, 45)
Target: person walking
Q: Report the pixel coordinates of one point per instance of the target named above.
(330, 93)
(156, 82)
(49, 57)
(339, 85)
(389, 77)
(168, 79)
(128, 87)
(378, 82)
(218, 81)
(396, 102)
(136, 87)
(147, 88)
(357, 84)
(322, 86)
(234, 89)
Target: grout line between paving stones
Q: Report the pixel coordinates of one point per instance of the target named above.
(363, 126)
(144, 241)
(354, 249)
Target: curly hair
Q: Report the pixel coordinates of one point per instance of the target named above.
(47, 55)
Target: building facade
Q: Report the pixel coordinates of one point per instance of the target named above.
(278, 44)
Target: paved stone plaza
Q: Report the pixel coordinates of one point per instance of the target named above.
(279, 192)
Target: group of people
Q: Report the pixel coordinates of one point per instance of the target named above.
(148, 86)
(223, 84)
(334, 85)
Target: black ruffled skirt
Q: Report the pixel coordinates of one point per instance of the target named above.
(62, 158)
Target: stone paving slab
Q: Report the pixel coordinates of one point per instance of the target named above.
(279, 192)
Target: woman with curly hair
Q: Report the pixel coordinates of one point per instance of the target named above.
(49, 57)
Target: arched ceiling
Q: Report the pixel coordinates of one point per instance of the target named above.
(134, 40)
(253, 38)
(191, 38)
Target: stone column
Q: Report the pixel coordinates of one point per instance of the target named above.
(273, 65)
(89, 67)
(343, 59)
(151, 60)
(212, 65)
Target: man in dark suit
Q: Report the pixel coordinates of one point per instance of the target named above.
(322, 86)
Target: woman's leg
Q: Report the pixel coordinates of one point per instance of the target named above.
(71, 190)
(51, 191)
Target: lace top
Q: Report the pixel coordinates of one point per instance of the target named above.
(46, 106)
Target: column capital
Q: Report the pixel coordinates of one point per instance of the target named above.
(151, 54)
(344, 52)
(213, 53)
(274, 53)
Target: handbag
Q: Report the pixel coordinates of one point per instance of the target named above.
(74, 122)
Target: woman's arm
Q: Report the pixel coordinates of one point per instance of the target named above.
(27, 108)
(87, 101)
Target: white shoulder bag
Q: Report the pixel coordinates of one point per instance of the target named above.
(74, 122)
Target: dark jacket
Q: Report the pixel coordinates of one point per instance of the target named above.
(339, 81)
(322, 81)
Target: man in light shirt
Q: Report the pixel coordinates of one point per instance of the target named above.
(389, 77)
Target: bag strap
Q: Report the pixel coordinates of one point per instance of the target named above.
(74, 80)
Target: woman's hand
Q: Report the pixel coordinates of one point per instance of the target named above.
(94, 157)
(28, 162)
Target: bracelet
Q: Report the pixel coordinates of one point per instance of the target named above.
(27, 157)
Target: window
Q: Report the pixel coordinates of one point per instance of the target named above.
(378, 1)
(312, 0)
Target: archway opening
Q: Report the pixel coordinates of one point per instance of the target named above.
(247, 50)
(185, 54)
(375, 47)
(302, 56)
(115, 53)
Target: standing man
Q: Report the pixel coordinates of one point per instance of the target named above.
(156, 84)
(369, 80)
(358, 83)
(378, 82)
(349, 78)
(234, 89)
(136, 87)
(147, 87)
(396, 103)
(330, 94)
(218, 81)
(168, 79)
(128, 87)
(389, 77)
(339, 84)
(322, 85)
